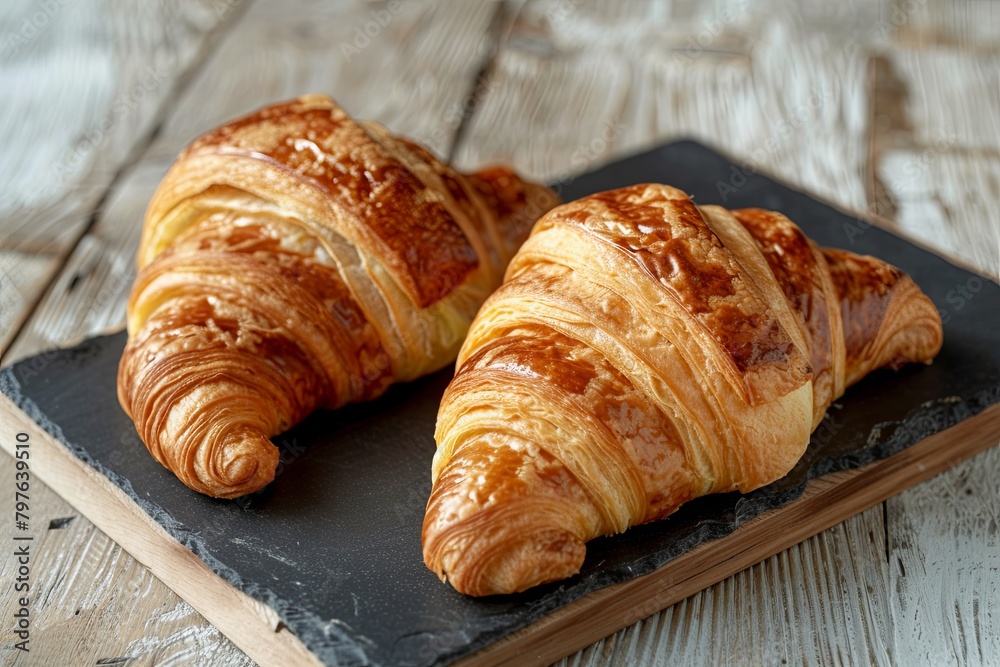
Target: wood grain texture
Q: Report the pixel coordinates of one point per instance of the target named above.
(944, 559)
(792, 107)
(126, 579)
(951, 99)
(573, 85)
(91, 587)
(791, 586)
(940, 171)
(23, 277)
(826, 501)
(935, 158)
(795, 108)
(940, 197)
(414, 77)
(970, 25)
(409, 77)
(92, 84)
(788, 608)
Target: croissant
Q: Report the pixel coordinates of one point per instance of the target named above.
(642, 352)
(296, 259)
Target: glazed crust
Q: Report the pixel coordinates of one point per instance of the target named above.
(296, 259)
(643, 352)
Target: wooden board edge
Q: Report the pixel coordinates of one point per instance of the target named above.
(253, 626)
(827, 501)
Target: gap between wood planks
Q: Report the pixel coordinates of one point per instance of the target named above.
(496, 33)
(880, 200)
(139, 147)
(464, 91)
(500, 24)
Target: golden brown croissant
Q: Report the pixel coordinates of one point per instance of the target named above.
(295, 259)
(642, 352)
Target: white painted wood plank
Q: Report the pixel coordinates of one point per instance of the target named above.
(89, 292)
(944, 565)
(969, 24)
(414, 77)
(953, 96)
(23, 276)
(943, 176)
(564, 97)
(695, 26)
(947, 198)
(409, 77)
(90, 85)
(796, 109)
(791, 609)
(91, 601)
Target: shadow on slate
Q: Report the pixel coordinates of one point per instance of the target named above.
(334, 543)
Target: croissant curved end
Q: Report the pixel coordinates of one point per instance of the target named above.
(245, 462)
(294, 259)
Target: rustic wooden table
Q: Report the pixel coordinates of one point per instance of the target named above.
(889, 106)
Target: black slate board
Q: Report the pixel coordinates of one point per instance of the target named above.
(334, 543)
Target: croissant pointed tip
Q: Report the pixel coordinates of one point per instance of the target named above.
(527, 559)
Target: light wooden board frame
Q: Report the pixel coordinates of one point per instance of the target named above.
(256, 628)
(250, 624)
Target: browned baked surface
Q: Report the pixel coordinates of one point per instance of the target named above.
(296, 259)
(642, 352)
